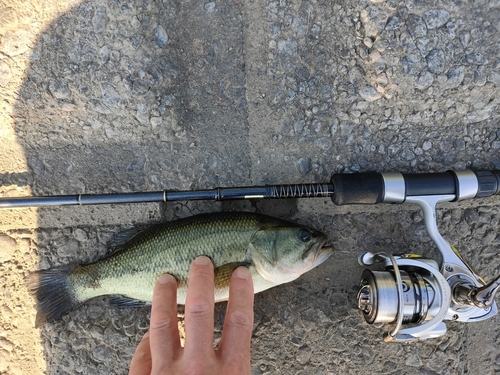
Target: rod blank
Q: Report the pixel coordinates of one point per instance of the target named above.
(217, 194)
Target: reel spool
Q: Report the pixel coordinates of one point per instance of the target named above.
(411, 291)
(378, 297)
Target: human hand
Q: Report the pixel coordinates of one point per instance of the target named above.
(160, 351)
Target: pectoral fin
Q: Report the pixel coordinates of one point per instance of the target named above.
(222, 274)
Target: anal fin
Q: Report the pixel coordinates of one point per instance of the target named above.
(123, 301)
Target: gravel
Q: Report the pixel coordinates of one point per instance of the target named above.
(107, 97)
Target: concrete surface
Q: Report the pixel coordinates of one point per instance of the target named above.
(121, 96)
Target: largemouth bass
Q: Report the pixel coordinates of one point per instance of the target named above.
(274, 250)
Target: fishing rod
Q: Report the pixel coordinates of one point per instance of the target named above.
(358, 188)
(413, 294)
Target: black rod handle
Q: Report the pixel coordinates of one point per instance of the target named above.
(373, 188)
(358, 188)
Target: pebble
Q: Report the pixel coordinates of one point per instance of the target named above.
(369, 94)
(287, 48)
(100, 20)
(303, 354)
(110, 96)
(102, 353)
(476, 59)
(69, 249)
(408, 154)
(394, 23)
(304, 165)
(300, 25)
(427, 145)
(356, 75)
(455, 76)
(59, 90)
(374, 57)
(299, 126)
(135, 22)
(412, 64)
(209, 7)
(459, 144)
(435, 61)
(416, 26)
(80, 235)
(464, 37)
(435, 18)
(8, 247)
(494, 77)
(323, 143)
(374, 20)
(425, 45)
(481, 114)
(160, 36)
(413, 360)
(144, 106)
(425, 79)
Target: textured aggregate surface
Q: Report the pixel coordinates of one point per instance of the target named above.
(121, 96)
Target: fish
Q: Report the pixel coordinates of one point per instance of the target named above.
(274, 250)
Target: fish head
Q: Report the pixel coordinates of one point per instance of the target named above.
(282, 253)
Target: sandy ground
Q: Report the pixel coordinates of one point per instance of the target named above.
(122, 96)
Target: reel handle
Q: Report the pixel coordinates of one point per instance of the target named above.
(395, 187)
(483, 297)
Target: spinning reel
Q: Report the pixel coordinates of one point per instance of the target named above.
(415, 293)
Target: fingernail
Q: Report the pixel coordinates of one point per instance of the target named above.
(166, 278)
(242, 273)
(202, 261)
(146, 336)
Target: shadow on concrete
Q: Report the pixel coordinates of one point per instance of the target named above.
(124, 97)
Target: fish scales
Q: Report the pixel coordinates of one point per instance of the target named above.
(167, 249)
(274, 250)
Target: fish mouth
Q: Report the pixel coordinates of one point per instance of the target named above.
(322, 254)
(317, 253)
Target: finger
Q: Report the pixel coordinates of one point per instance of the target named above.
(141, 361)
(238, 324)
(199, 310)
(164, 333)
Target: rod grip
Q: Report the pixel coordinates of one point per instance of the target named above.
(430, 183)
(357, 188)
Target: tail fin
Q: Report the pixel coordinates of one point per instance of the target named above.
(54, 293)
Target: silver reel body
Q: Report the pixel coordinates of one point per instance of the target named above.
(417, 294)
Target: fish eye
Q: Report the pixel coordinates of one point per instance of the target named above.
(304, 235)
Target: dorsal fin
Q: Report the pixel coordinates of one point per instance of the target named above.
(122, 237)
